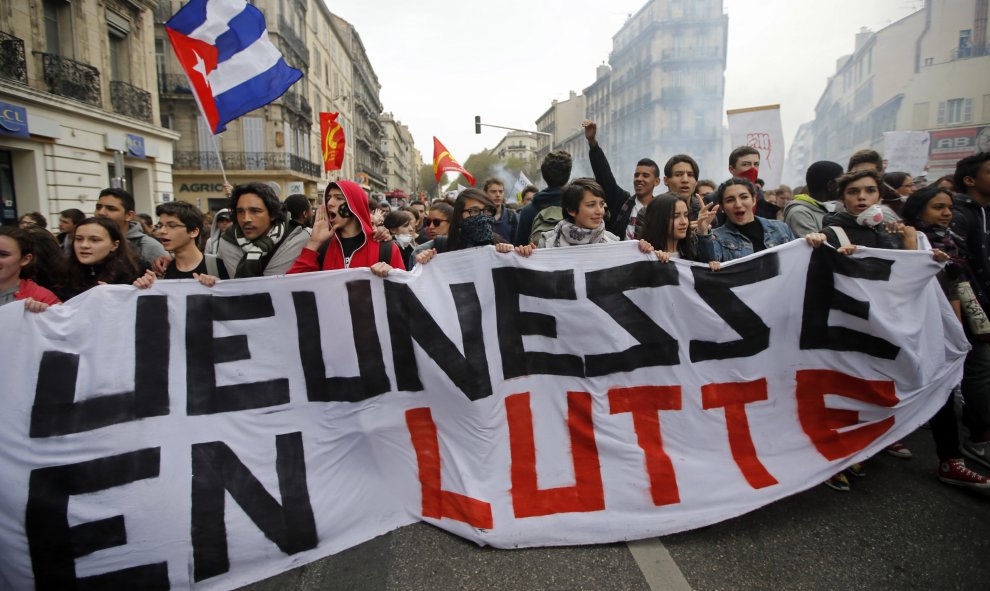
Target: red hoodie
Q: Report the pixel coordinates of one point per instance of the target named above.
(365, 256)
(30, 289)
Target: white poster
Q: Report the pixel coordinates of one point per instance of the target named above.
(906, 151)
(759, 127)
(207, 438)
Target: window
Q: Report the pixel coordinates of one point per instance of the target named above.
(965, 43)
(955, 111)
(58, 27)
(118, 29)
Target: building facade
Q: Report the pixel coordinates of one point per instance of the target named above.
(79, 107)
(940, 86)
(661, 93)
(667, 83)
(399, 173)
(368, 137)
(519, 145)
(560, 121)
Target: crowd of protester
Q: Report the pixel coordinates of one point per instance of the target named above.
(860, 205)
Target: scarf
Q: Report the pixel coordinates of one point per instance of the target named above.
(943, 239)
(251, 264)
(477, 230)
(570, 234)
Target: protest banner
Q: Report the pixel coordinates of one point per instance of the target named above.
(906, 151)
(190, 437)
(759, 127)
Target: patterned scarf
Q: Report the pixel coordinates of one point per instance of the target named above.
(255, 250)
(570, 234)
(943, 239)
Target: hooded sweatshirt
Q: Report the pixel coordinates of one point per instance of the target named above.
(366, 255)
(144, 247)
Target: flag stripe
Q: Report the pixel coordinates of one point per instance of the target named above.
(256, 92)
(244, 65)
(245, 29)
(218, 13)
(189, 17)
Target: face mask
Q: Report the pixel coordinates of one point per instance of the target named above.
(751, 174)
(872, 216)
(477, 229)
(404, 240)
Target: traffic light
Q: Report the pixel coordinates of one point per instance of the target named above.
(477, 123)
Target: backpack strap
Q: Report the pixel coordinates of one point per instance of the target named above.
(211, 265)
(841, 235)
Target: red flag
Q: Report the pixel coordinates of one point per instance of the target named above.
(444, 162)
(333, 141)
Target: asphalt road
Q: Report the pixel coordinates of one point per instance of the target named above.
(899, 528)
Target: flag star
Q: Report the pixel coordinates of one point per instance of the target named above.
(201, 68)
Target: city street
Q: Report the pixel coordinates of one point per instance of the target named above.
(899, 528)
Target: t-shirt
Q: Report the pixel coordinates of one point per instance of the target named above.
(633, 220)
(173, 272)
(349, 245)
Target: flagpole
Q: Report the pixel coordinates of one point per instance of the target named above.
(216, 149)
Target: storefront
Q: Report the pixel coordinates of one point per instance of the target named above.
(57, 154)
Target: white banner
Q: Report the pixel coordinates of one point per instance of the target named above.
(204, 438)
(906, 151)
(759, 127)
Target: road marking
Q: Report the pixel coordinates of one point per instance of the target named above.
(658, 567)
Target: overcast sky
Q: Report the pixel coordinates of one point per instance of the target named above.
(441, 62)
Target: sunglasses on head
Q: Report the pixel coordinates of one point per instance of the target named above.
(433, 222)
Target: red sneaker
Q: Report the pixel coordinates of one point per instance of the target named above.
(955, 472)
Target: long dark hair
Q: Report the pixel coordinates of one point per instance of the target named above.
(915, 205)
(47, 267)
(656, 226)
(119, 266)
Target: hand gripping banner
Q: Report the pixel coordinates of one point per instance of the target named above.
(191, 437)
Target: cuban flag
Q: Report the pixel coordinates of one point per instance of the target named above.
(231, 63)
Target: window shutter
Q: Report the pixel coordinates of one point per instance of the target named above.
(941, 112)
(967, 110)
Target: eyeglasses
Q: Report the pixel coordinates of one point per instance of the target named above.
(433, 222)
(473, 211)
(170, 226)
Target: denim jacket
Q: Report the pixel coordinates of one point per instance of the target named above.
(731, 244)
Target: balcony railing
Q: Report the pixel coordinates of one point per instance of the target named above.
(174, 84)
(690, 54)
(297, 103)
(69, 78)
(130, 101)
(13, 66)
(245, 161)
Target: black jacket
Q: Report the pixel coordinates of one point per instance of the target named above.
(969, 222)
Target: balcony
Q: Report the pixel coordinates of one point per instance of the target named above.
(693, 54)
(245, 161)
(130, 101)
(174, 85)
(69, 78)
(293, 41)
(14, 66)
(298, 104)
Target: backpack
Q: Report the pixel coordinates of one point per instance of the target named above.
(546, 220)
(384, 252)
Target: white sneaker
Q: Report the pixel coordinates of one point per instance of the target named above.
(978, 452)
